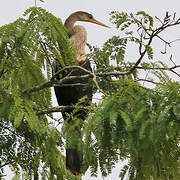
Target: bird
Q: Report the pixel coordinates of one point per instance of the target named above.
(70, 95)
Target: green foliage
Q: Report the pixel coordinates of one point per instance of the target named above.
(132, 121)
(135, 122)
(146, 17)
(124, 20)
(139, 124)
(149, 51)
(28, 139)
(112, 52)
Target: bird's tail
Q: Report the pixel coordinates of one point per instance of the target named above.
(73, 161)
(74, 119)
(74, 152)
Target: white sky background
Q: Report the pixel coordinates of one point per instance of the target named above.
(10, 10)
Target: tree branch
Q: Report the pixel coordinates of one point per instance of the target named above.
(148, 80)
(171, 69)
(43, 46)
(65, 80)
(150, 32)
(55, 109)
(141, 56)
(97, 85)
(39, 87)
(68, 68)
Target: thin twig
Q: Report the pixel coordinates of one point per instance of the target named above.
(39, 87)
(150, 81)
(159, 20)
(166, 42)
(160, 68)
(140, 58)
(43, 46)
(175, 72)
(57, 109)
(97, 85)
(146, 76)
(172, 60)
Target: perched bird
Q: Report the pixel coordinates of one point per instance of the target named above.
(69, 94)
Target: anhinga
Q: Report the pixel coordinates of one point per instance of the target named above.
(69, 95)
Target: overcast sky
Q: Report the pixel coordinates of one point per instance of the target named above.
(10, 10)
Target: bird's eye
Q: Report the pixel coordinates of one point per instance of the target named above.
(91, 17)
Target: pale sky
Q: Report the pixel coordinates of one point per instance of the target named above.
(10, 10)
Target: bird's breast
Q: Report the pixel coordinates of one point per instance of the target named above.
(78, 40)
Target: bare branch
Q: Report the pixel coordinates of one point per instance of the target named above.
(55, 109)
(66, 79)
(85, 70)
(175, 72)
(68, 68)
(160, 68)
(69, 85)
(171, 69)
(166, 43)
(141, 57)
(148, 80)
(97, 85)
(44, 48)
(159, 20)
(39, 87)
(172, 60)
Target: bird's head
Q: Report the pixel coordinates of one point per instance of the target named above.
(84, 16)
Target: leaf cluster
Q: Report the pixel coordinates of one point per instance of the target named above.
(132, 121)
(28, 140)
(135, 122)
(141, 125)
(123, 20)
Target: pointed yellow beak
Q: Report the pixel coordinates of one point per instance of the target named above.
(97, 22)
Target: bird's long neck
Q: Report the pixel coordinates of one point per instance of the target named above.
(77, 36)
(69, 24)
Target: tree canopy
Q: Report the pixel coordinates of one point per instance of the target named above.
(132, 121)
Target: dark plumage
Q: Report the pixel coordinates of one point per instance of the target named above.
(69, 95)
